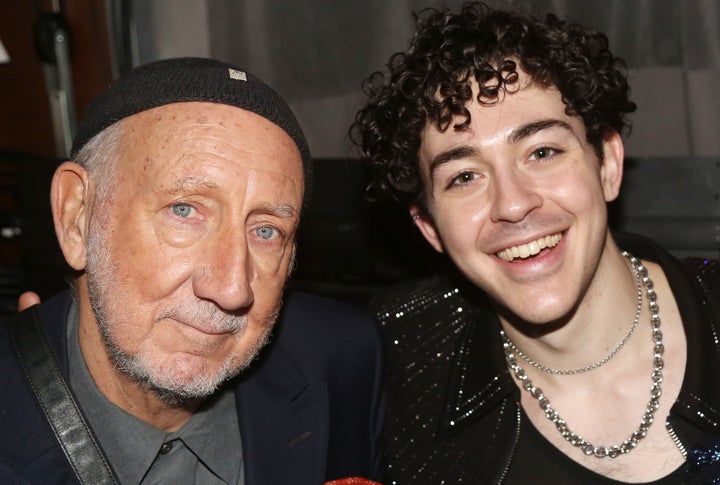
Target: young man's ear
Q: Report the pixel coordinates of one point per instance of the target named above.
(611, 169)
(70, 207)
(424, 222)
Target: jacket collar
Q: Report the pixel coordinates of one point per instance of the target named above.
(284, 422)
(699, 398)
(479, 380)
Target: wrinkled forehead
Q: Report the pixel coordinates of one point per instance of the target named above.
(166, 118)
(205, 140)
(184, 126)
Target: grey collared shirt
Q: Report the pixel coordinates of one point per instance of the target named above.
(206, 451)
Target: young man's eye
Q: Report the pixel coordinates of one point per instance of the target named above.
(462, 178)
(183, 210)
(542, 153)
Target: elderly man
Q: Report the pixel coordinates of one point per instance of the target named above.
(178, 215)
(560, 353)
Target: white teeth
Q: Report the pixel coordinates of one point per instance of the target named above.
(530, 249)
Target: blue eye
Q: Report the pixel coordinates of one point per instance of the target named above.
(182, 210)
(265, 232)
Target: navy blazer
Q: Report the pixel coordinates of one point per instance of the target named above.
(310, 409)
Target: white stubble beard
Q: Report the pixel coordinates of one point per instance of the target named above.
(112, 312)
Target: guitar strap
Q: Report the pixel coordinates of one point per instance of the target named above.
(52, 393)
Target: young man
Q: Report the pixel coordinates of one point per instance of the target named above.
(560, 353)
(178, 214)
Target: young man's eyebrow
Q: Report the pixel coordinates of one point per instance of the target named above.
(514, 136)
(529, 129)
(455, 153)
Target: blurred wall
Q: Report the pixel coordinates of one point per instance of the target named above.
(316, 54)
(26, 124)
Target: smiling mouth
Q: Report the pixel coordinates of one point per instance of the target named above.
(532, 248)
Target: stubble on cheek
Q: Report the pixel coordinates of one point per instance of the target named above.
(174, 376)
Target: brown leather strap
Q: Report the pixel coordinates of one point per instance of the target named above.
(56, 401)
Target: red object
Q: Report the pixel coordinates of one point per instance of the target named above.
(353, 481)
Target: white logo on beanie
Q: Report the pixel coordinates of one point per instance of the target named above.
(235, 74)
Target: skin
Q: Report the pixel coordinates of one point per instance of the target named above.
(522, 174)
(199, 231)
(496, 186)
(28, 299)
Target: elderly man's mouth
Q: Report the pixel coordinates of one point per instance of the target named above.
(524, 251)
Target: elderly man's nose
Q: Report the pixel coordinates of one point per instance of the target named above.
(223, 276)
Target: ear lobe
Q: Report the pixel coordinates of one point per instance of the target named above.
(427, 227)
(611, 169)
(70, 208)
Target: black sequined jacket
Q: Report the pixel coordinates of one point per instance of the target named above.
(453, 410)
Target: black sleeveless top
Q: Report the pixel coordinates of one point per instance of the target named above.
(537, 461)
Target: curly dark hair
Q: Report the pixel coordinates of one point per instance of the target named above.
(450, 49)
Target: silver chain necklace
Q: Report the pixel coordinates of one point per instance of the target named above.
(600, 363)
(655, 389)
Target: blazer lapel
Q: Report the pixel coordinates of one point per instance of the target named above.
(284, 423)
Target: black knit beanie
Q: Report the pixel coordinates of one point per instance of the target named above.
(189, 79)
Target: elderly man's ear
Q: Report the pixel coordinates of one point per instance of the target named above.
(69, 199)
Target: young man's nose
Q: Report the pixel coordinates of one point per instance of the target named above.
(514, 196)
